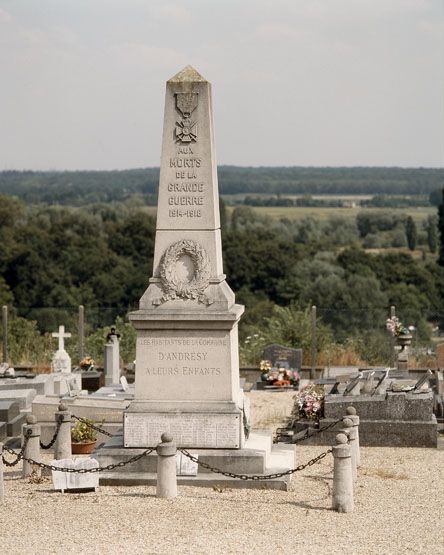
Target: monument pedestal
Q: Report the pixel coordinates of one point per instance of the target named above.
(187, 378)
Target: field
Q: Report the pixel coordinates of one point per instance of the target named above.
(323, 214)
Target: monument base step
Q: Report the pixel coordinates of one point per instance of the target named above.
(259, 456)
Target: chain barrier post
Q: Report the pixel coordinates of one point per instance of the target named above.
(2, 485)
(351, 413)
(351, 435)
(62, 448)
(342, 501)
(166, 468)
(31, 430)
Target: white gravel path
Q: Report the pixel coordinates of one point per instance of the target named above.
(398, 509)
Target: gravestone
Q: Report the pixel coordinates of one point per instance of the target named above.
(61, 361)
(112, 359)
(11, 417)
(286, 356)
(187, 361)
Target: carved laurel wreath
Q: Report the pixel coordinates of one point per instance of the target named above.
(174, 287)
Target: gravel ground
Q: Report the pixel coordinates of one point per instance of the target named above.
(398, 509)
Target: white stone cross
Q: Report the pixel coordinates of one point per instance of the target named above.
(61, 335)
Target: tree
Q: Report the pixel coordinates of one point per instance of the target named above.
(432, 233)
(411, 233)
(441, 230)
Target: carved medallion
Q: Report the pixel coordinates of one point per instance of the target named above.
(186, 129)
(176, 286)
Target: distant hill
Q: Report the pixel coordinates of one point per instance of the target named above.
(84, 187)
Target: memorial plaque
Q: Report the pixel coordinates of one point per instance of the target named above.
(220, 431)
(184, 365)
(283, 356)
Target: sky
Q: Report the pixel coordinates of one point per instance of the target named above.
(295, 82)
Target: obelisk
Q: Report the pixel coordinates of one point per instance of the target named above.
(187, 365)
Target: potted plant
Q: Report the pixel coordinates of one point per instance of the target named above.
(401, 334)
(83, 437)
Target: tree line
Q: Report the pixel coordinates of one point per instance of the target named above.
(80, 188)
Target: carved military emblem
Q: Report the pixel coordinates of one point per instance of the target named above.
(186, 129)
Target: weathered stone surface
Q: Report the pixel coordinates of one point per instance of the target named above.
(392, 406)
(382, 433)
(14, 426)
(112, 361)
(40, 384)
(204, 430)
(8, 410)
(23, 397)
(187, 343)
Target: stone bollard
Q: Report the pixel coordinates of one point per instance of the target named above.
(350, 432)
(2, 485)
(342, 501)
(166, 468)
(62, 449)
(351, 413)
(32, 450)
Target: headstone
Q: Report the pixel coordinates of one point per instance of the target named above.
(440, 355)
(12, 417)
(187, 365)
(61, 361)
(283, 356)
(112, 359)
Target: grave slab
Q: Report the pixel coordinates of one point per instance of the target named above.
(23, 397)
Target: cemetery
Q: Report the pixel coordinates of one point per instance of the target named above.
(183, 441)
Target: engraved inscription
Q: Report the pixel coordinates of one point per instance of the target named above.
(189, 430)
(179, 341)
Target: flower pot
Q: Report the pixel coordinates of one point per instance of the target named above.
(82, 448)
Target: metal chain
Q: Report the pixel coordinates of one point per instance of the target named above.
(310, 432)
(96, 428)
(315, 432)
(54, 437)
(19, 455)
(257, 476)
(82, 470)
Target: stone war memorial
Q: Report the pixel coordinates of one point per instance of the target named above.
(187, 364)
